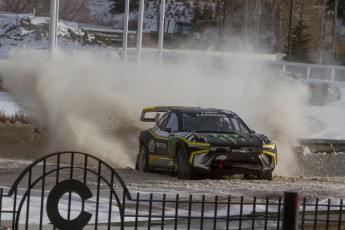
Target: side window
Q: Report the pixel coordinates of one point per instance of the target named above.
(243, 128)
(162, 122)
(235, 122)
(172, 123)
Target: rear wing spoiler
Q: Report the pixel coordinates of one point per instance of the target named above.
(157, 110)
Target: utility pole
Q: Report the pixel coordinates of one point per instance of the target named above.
(334, 40)
(140, 29)
(289, 34)
(161, 31)
(258, 18)
(224, 17)
(246, 24)
(125, 32)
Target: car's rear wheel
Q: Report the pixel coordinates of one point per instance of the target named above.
(265, 176)
(143, 160)
(183, 169)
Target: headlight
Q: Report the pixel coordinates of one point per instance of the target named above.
(269, 146)
(199, 161)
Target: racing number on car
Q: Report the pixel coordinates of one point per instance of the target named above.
(152, 146)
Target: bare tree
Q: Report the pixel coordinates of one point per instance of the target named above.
(74, 10)
(16, 6)
(279, 11)
(320, 19)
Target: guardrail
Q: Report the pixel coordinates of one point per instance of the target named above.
(222, 60)
(312, 71)
(45, 195)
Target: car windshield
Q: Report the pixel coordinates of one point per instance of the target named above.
(213, 122)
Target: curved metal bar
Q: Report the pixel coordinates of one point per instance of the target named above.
(22, 175)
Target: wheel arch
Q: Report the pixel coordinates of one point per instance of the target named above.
(143, 141)
(180, 144)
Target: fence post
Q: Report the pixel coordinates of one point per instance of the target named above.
(333, 74)
(308, 72)
(290, 211)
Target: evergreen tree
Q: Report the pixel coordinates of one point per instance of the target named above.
(118, 6)
(300, 41)
(203, 15)
(197, 15)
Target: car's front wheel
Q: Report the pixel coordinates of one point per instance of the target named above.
(265, 176)
(143, 160)
(183, 169)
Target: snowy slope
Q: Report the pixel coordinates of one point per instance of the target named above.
(26, 31)
(175, 11)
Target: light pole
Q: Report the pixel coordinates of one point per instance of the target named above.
(54, 15)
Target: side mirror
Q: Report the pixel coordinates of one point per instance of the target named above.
(252, 132)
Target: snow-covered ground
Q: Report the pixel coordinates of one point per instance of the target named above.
(332, 115)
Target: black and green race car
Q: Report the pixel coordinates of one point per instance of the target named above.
(188, 141)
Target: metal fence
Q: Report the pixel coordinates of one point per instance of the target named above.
(231, 60)
(312, 71)
(72, 190)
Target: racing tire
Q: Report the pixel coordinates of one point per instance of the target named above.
(265, 176)
(143, 160)
(183, 169)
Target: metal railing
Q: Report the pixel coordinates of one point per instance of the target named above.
(45, 196)
(227, 60)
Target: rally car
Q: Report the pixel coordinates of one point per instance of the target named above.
(188, 141)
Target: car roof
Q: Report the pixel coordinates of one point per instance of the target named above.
(201, 110)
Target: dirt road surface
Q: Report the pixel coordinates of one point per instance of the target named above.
(323, 174)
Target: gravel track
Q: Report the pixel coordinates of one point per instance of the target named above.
(320, 175)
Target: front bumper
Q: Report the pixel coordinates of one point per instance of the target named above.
(233, 163)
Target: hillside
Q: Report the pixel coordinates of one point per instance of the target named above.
(26, 31)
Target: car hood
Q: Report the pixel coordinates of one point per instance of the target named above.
(229, 139)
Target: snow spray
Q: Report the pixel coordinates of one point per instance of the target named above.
(81, 98)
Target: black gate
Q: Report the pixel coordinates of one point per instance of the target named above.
(73, 190)
(64, 190)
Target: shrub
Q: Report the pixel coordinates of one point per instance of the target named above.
(17, 117)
